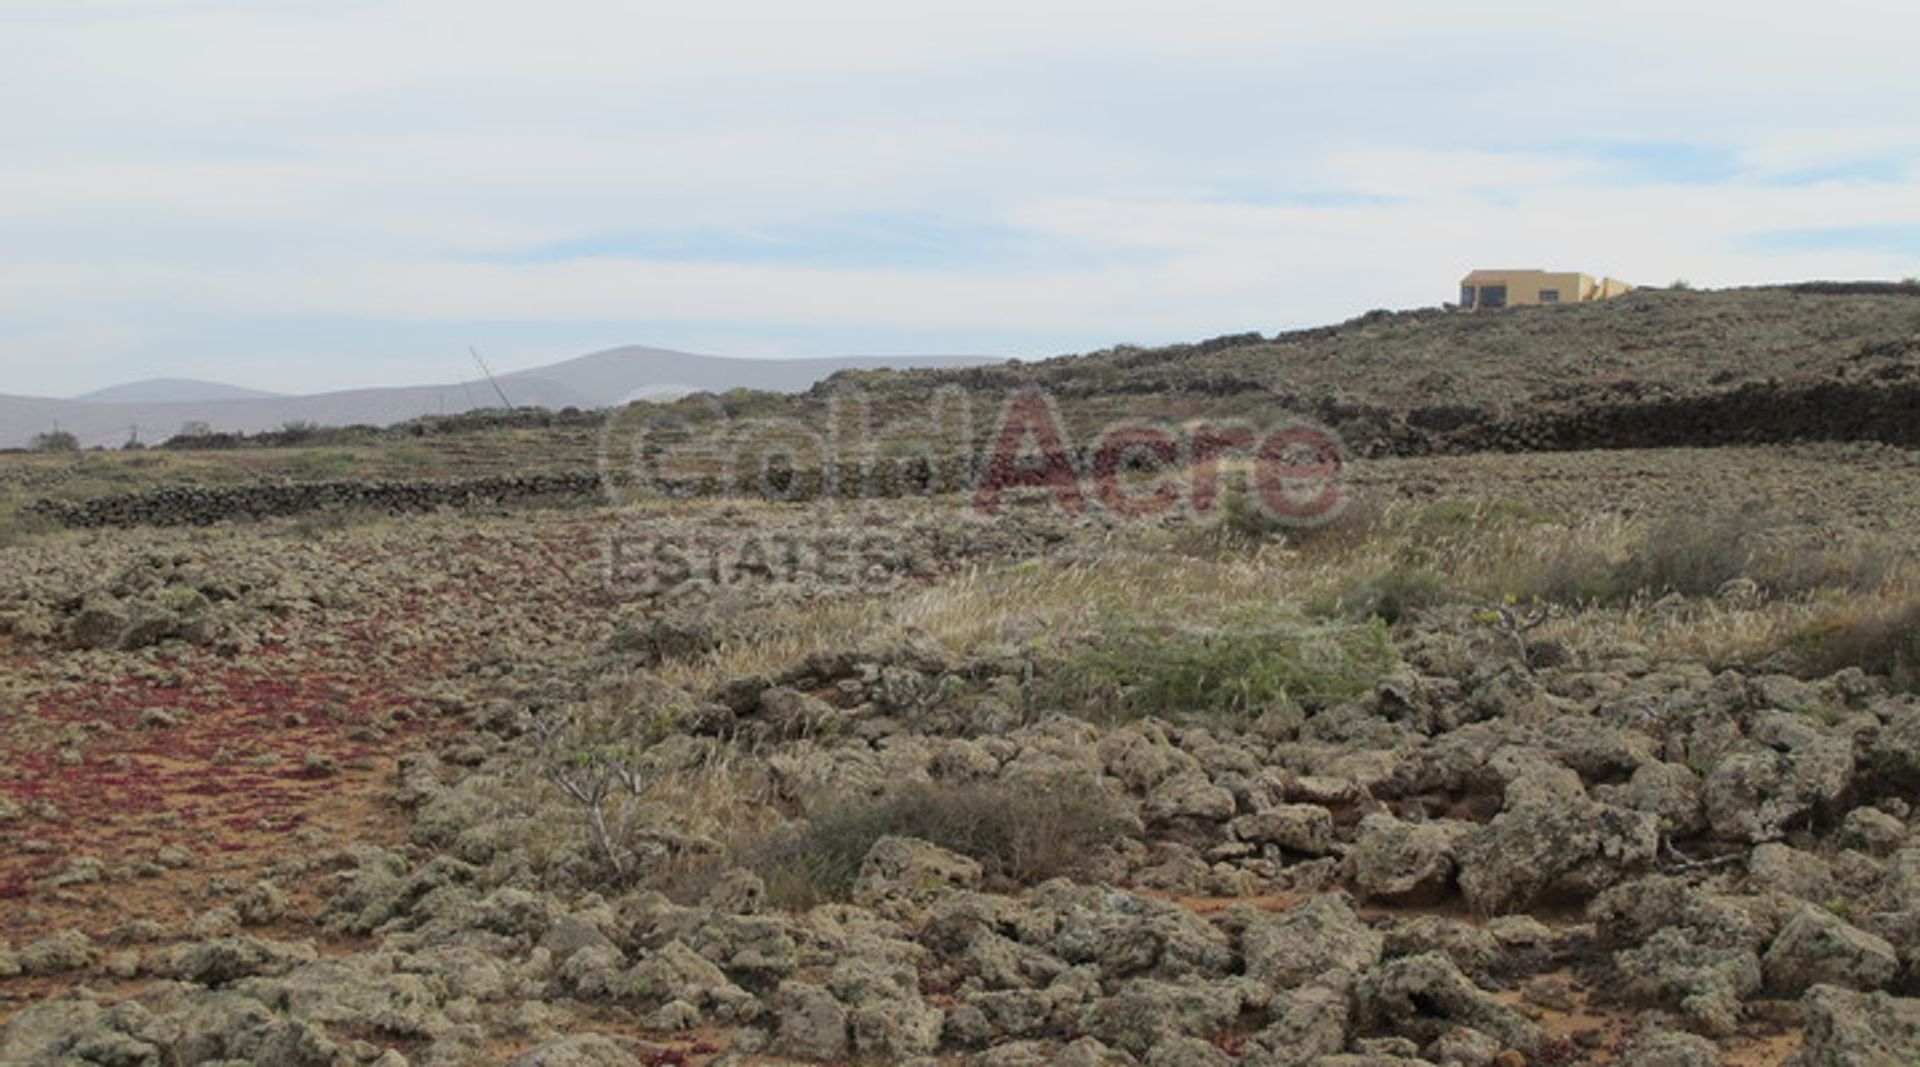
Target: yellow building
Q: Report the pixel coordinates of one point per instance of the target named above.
(1505, 288)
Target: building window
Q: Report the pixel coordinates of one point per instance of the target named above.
(1466, 296)
(1493, 296)
(1549, 296)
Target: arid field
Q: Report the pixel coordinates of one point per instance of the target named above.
(1524, 757)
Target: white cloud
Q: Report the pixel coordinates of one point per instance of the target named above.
(1215, 167)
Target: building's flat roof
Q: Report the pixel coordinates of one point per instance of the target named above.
(1484, 273)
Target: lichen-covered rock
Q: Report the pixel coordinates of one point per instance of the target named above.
(1187, 1052)
(1403, 862)
(1705, 982)
(1306, 1023)
(1422, 997)
(676, 972)
(1190, 797)
(1849, 1029)
(1546, 847)
(1665, 1048)
(1819, 948)
(809, 1022)
(1302, 828)
(1146, 1012)
(1123, 934)
(68, 950)
(905, 872)
(580, 1050)
(1320, 940)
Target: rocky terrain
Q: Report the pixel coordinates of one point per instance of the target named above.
(1568, 757)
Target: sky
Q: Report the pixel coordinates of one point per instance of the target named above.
(299, 195)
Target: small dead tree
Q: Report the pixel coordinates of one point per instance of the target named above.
(1514, 620)
(606, 780)
(607, 784)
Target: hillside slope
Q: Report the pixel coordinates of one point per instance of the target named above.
(1566, 376)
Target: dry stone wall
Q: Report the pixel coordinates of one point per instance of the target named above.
(207, 505)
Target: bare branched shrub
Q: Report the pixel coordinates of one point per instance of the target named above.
(603, 776)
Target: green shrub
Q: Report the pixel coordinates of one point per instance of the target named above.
(1470, 517)
(1881, 639)
(1569, 573)
(1243, 519)
(316, 525)
(1862, 567)
(18, 526)
(320, 466)
(1689, 555)
(1019, 834)
(1230, 672)
(54, 441)
(1394, 595)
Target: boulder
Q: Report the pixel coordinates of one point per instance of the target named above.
(1403, 862)
(905, 871)
(1146, 1012)
(1849, 1029)
(1665, 1048)
(1307, 1023)
(808, 1022)
(1423, 997)
(1819, 948)
(1302, 828)
(1705, 982)
(1553, 848)
(1189, 798)
(1320, 940)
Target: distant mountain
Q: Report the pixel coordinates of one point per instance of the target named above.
(155, 410)
(607, 377)
(170, 391)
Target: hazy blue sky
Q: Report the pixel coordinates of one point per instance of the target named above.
(301, 195)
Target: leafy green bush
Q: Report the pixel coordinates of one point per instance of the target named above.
(1019, 834)
(1229, 672)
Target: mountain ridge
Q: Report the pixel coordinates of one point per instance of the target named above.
(593, 380)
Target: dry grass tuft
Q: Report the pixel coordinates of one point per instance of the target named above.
(1021, 834)
(1878, 636)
